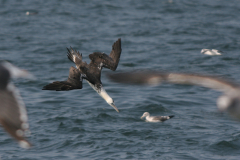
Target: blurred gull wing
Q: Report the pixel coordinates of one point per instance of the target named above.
(201, 80)
(140, 77)
(153, 78)
(229, 102)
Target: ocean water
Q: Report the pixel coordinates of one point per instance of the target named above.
(163, 35)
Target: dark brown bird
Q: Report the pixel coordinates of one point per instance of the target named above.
(91, 72)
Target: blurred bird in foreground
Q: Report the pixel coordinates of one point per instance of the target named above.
(13, 114)
(229, 102)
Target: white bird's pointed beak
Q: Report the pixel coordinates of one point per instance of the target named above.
(113, 105)
(142, 117)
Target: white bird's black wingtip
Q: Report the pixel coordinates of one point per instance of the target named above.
(171, 116)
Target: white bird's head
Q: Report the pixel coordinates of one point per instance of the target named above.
(107, 98)
(145, 114)
(101, 91)
(204, 50)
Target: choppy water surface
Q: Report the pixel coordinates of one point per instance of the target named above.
(161, 35)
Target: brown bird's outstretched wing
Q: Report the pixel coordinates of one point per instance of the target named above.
(62, 86)
(111, 61)
(74, 82)
(76, 58)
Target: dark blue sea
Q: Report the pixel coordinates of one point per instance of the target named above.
(165, 35)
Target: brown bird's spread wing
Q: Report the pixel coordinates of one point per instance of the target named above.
(74, 82)
(63, 86)
(115, 54)
(76, 58)
(111, 61)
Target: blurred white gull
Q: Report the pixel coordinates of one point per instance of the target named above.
(229, 102)
(13, 114)
(212, 52)
(31, 13)
(155, 118)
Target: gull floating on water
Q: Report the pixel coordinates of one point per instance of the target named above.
(229, 102)
(31, 13)
(90, 72)
(155, 118)
(211, 52)
(13, 114)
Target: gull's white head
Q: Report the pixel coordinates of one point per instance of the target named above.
(16, 72)
(230, 104)
(145, 114)
(204, 50)
(223, 103)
